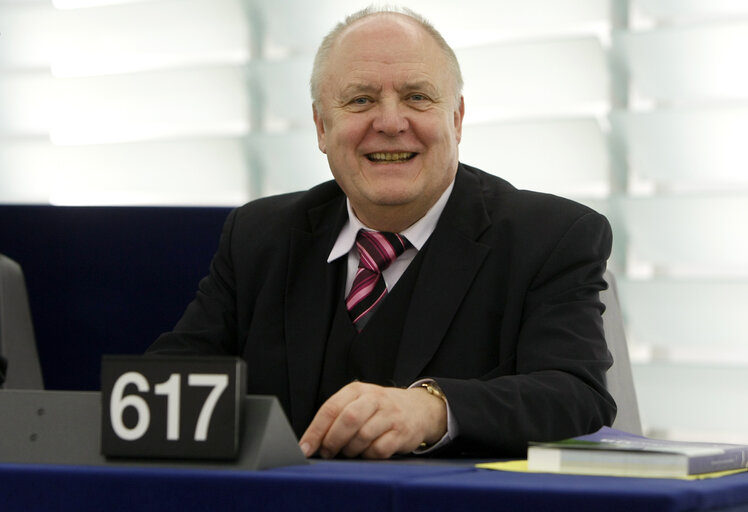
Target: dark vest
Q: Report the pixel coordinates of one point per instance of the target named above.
(368, 356)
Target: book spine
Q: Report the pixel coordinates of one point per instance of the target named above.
(734, 458)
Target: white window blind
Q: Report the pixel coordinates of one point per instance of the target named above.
(683, 216)
(124, 102)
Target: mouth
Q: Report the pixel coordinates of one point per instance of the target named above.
(390, 157)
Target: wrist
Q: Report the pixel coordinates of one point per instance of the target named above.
(437, 413)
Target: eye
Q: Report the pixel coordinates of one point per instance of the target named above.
(419, 101)
(360, 103)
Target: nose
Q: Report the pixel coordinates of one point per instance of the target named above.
(390, 118)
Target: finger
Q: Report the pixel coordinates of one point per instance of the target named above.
(370, 431)
(388, 444)
(312, 438)
(348, 424)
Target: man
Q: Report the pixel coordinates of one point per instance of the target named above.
(485, 331)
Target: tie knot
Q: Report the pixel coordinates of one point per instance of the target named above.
(379, 248)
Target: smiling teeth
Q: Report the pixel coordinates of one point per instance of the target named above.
(389, 157)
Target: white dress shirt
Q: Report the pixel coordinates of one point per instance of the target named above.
(417, 234)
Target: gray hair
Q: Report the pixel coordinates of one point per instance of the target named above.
(328, 42)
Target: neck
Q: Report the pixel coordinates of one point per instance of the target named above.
(394, 219)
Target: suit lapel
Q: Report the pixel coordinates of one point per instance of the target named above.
(451, 261)
(310, 296)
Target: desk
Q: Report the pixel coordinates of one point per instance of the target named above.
(352, 485)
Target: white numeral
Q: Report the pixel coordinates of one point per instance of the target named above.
(171, 389)
(118, 404)
(219, 382)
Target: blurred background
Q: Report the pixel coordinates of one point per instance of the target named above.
(638, 108)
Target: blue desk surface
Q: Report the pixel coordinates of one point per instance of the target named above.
(352, 485)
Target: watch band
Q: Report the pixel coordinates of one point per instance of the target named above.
(432, 388)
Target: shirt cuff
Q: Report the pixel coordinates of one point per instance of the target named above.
(451, 424)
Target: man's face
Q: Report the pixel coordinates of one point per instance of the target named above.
(389, 119)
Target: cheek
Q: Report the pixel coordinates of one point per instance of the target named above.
(437, 129)
(346, 137)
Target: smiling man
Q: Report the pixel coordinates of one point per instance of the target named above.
(414, 304)
(389, 114)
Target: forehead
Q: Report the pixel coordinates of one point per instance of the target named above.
(386, 43)
(380, 31)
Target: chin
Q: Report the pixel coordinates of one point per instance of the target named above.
(393, 196)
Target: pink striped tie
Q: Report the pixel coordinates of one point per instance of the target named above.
(377, 250)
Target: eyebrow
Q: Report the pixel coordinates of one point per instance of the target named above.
(419, 85)
(359, 87)
(365, 88)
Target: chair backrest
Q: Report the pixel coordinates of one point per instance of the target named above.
(105, 279)
(619, 377)
(17, 341)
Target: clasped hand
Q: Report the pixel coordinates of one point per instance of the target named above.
(375, 422)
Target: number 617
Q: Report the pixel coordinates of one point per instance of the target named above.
(169, 388)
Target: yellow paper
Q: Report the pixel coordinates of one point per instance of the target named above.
(520, 466)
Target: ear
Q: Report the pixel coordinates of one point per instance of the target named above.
(320, 125)
(458, 115)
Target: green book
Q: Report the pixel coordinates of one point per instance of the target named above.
(613, 452)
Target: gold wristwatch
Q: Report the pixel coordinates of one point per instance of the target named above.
(432, 388)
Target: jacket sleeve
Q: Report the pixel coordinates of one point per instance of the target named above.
(557, 389)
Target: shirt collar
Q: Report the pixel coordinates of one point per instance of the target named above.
(417, 234)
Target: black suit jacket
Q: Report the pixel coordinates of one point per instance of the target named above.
(505, 313)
